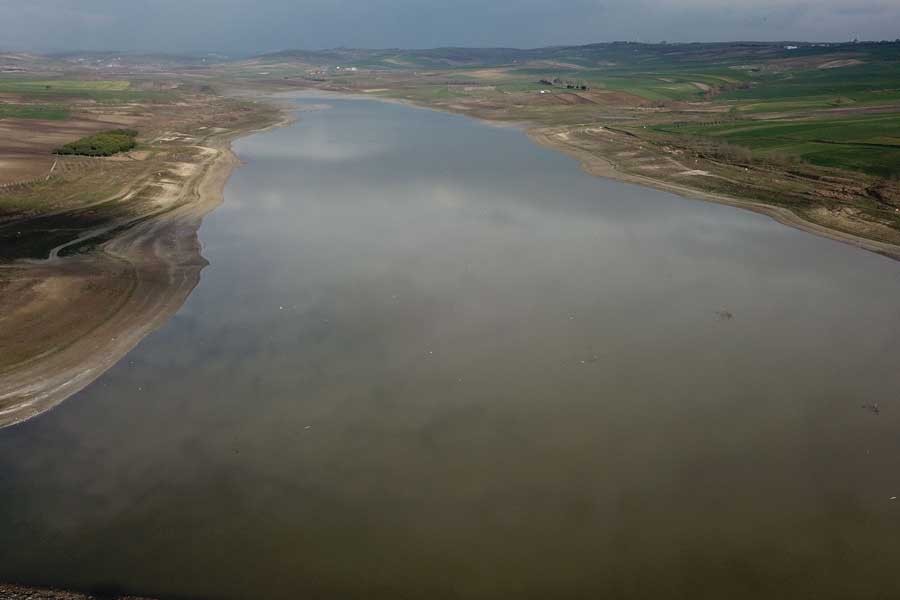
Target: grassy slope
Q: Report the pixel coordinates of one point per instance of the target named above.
(33, 111)
(868, 143)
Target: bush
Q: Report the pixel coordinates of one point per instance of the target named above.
(105, 143)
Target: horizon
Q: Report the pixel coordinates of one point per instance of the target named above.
(231, 27)
(252, 54)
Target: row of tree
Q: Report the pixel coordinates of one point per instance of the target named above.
(568, 84)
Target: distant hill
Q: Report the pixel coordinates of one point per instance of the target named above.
(585, 56)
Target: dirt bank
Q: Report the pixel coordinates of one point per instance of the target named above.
(597, 165)
(65, 321)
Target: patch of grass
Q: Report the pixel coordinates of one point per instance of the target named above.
(432, 92)
(884, 162)
(867, 143)
(33, 111)
(64, 90)
(105, 143)
(855, 82)
(61, 85)
(654, 86)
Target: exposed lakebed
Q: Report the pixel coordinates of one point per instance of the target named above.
(431, 359)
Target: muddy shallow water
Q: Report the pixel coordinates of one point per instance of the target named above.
(431, 359)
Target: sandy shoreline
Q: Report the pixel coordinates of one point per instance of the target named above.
(599, 167)
(146, 274)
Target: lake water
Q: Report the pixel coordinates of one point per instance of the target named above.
(430, 359)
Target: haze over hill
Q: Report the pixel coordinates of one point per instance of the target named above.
(239, 27)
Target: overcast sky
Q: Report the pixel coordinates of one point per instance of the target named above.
(251, 26)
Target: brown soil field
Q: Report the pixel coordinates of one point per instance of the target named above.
(27, 145)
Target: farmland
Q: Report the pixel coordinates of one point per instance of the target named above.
(33, 111)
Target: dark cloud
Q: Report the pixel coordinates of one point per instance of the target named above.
(240, 26)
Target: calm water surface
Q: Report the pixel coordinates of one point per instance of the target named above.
(433, 360)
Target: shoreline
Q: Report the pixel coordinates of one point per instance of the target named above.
(157, 263)
(598, 166)
(150, 269)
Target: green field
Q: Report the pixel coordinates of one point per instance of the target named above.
(64, 90)
(858, 82)
(867, 143)
(33, 111)
(61, 85)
